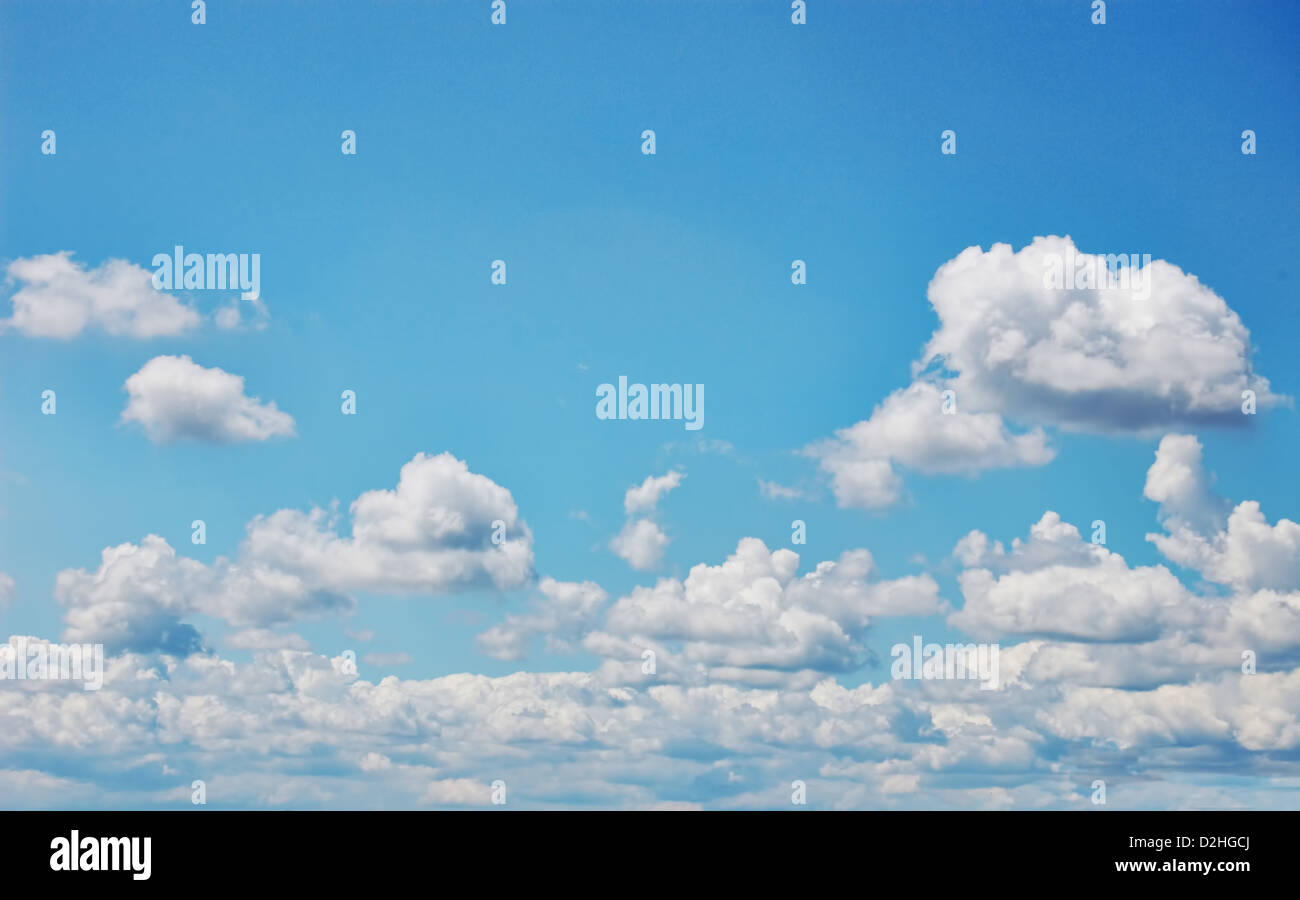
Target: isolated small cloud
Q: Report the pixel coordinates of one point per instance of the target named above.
(643, 498)
(175, 399)
(773, 491)
(60, 298)
(231, 316)
(227, 318)
(641, 544)
(1178, 482)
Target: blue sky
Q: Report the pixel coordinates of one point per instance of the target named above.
(522, 142)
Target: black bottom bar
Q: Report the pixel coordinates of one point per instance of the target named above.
(334, 849)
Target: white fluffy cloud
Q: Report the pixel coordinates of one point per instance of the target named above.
(293, 729)
(1056, 585)
(137, 597)
(641, 542)
(1060, 587)
(744, 694)
(173, 398)
(1108, 359)
(433, 534)
(643, 498)
(753, 613)
(1258, 712)
(1178, 482)
(1245, 552)
(6, 590)
(910, 429)
(1248, 554)
(1101, 359)
(60, 298)
(749, 619)
(1095, 621)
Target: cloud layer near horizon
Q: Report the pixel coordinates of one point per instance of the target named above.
(1106, 669)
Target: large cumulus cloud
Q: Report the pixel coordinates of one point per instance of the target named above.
(1016, 352)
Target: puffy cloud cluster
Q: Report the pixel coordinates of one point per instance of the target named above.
(435, 533)
(1055, 585)
(1244, 552)
(293, 729)
(745, 695)
(1092, 619)
(751, 619)
(1258, 713)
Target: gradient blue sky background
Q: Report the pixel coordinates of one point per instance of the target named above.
(522, 142)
